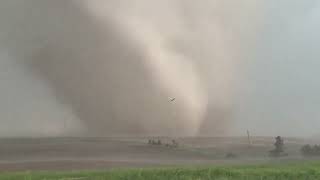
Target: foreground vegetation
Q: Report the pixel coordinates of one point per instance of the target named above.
(293, 171)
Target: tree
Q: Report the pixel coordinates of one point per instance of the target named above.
(308, 150)
(279, 144)
(279, 148)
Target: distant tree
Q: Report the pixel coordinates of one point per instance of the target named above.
(175, 143)
(316, 149)
(279, 147)
(153, 142)
(230, 155)
(308, 150)
(279, 144)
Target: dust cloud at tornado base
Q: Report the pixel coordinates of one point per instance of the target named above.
(113, 66)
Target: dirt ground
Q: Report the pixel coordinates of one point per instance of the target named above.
(103, 153)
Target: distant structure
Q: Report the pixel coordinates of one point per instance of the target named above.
(249, 138)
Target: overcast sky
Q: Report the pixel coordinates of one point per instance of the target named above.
(283, 83)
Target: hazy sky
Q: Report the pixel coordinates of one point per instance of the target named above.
(233, 66)
(282, 80)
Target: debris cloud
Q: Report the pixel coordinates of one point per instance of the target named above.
(112, 67)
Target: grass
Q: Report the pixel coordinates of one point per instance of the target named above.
(292, 171)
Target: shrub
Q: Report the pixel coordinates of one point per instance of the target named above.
(230, 155)
(308, 150)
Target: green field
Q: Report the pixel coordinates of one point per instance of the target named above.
(292, 171)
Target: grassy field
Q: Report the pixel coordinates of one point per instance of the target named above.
(291, 171)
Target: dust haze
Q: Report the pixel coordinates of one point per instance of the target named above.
(111, 68)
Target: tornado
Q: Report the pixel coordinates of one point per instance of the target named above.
(116, 66)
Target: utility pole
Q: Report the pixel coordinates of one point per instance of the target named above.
(249, 138)
(172, 101)
(65, 124)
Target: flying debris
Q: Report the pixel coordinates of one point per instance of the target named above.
(172, 99)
